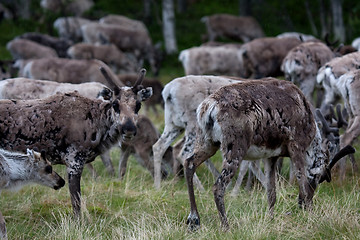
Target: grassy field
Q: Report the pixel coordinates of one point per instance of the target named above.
(133, 209)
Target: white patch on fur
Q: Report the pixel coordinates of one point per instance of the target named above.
(211, 112)
(315, 153)
(321, 75)
(256, 152)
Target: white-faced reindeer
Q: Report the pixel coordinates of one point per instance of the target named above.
(348, 86)
(263, 119)
(72, 129)
(329, 74)
(19, 169)
(302, 63)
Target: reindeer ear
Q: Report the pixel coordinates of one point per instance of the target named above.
(106, 94)
(144, 94)
(111, 81)
(30, 153)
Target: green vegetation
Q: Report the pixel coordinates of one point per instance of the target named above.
(133, 209)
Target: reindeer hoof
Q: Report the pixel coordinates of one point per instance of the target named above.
(193, 223)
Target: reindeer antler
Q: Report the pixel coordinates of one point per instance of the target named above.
(342, 153)
(341, 120)
(326, 128)
(107, 77)
(140, 77)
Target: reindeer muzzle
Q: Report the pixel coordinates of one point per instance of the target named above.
(128, 130)
(60, 184)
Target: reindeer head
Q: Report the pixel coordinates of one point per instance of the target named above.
(126, 103)
(323, 154)
(43, 173)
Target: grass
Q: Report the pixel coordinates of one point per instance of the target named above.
(133, 209)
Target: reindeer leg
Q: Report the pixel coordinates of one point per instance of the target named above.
(212, 168)
(232, 159)
(92, 170)
(159, 148)
(105, 158)
(177, 166)
(292, 173)
(270, 170)
(190, 165)
(3, 234)
(305, 193)
(250, 181)
(124, 156)
(353, 163)
(185, 152)
(255, 168)
(244, 167)
(74, 177)
(351, 133)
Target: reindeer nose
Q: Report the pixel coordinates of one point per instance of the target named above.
(61, 183)
(128, 130)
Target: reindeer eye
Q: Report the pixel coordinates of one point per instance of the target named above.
(137, 107)
(116, 106)
(48, 169)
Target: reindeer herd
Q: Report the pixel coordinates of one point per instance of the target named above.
(75, 96)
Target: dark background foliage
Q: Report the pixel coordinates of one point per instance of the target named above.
(275, 16)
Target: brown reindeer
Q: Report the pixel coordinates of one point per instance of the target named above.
(72, 129)
(263, 119)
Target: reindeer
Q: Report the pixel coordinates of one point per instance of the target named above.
(109, 54)
(302, 63)
(71, 128)
(141, 147)
(329, 74)
(124, 21)
(154, 83)
(67, 70)
(27, 49)
(264, 119)
(220, 60)
(60, 45)
(262, 57)
(128, 40)
(181, 98)
(301, 36)
(73, 7)
(26, 88)
(19, 169)
(348, 86)
(233, 27)
(70, 27)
